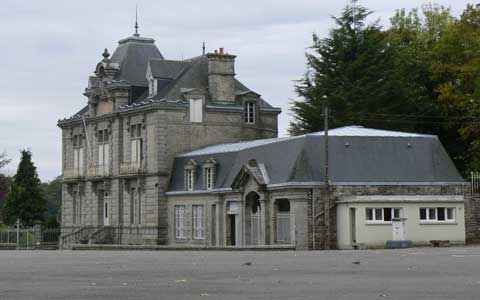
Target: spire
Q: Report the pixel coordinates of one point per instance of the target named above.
(203, 48)
(136, 22)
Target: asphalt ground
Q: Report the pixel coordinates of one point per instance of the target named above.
(416, 273)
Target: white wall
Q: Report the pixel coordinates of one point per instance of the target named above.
(375, 235)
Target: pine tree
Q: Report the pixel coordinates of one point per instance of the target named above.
(353, 70)
(25, 200)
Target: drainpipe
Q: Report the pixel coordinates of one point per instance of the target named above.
(313, 218)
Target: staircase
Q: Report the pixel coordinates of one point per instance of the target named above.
(78, 236)
(102, 235)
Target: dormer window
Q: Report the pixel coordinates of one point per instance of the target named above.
(209, 174)
(189, 180)
(152, 87)
(190, 167)
(249, 112)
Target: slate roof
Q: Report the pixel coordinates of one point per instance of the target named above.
(167, 69)
(132, 55)
(357, 156)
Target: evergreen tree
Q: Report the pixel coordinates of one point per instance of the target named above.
(353, 71)
(25, 200)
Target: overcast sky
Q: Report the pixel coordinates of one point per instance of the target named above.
(49, 48)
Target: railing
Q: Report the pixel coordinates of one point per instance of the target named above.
(475, 178)
(73, 174)
(103, 235)
(132, 168)
(27, 238)
(98, 171)
(76, 235)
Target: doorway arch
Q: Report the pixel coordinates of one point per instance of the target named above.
(282, 221)
(253, 219)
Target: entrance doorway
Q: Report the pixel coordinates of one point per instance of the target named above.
(353, 226)
(106, 221)
(253, 220)
(103, 213)
(233, 229)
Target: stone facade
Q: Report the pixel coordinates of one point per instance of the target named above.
(118, 152)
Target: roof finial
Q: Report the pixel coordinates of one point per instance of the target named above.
(203, 48)
(136, 21)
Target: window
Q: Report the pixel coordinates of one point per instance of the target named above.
(250, 112)
(437, 214)
(77, 208)
(385, 214)
(189, 179)
(208, 178)
(136, 153)
(78, 153)
(198, 232)
(135, 206)
(103, 149)
(179, 221)
(152, 87)
(196, 110)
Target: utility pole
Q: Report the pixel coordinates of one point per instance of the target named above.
(326, 175)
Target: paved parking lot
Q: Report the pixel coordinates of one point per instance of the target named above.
(418, 273)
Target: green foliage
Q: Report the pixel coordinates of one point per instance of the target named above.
(5, 182)
(3, 160)
(25, 199)
(53, 194)
(421, 74)
(353, 69)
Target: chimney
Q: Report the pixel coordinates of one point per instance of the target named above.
(221, 76)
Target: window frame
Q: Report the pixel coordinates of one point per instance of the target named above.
(179, 224)
(249, 115)
(435, 210)
(209, 178)
(198, 228)
(189, 179)
(381, 220)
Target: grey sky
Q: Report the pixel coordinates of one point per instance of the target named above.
(49, 48)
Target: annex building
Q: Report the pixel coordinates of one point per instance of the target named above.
(180, 152)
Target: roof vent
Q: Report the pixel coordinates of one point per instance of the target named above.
(409, 145)
(347, 144)
(252, 163)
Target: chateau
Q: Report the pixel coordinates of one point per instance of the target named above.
(169, 152)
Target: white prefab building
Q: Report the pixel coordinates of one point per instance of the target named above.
(367, 220)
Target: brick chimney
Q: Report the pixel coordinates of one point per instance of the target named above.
(221, 76)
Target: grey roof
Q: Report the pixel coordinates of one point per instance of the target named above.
(167, 69)
(357, 155)
(132, 55)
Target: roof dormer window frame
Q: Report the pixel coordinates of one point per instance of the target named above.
(209, 173)
(189, 174)
(250, 111)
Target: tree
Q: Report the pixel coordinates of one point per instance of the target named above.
(4, 160)
(25, 200)
(5, 182)
(353, 71)
(53, 195)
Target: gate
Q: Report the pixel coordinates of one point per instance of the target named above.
(28, 238)
(475, 178)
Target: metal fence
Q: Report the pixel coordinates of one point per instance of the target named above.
(29, 238)
(475, 178)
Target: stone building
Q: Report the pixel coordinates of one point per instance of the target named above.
(182, 153)
(264, 191)
(142, 110)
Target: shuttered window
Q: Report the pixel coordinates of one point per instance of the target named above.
(198, 230)
(179, 221)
